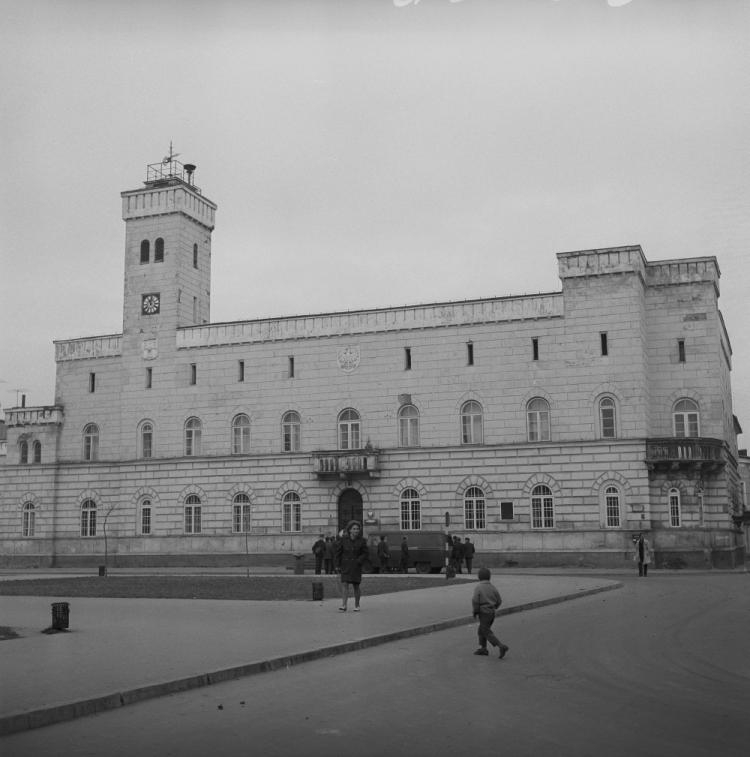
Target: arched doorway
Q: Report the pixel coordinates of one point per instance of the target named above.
(350, 507)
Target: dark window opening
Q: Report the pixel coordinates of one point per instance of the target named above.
(145, 251)
(681, 349)
(193, 373)
(407, 358)
(159, 251)
(506, 511)
(241, 375)
(291, 366)
(605, 347)
(92, 382)
(535, 348)
(149, 373)
(470, 353)
(195, 256)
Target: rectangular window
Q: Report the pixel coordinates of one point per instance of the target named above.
(605, 346)
(193, 374)
(241, 370)
(193, 519)
(241, 519)
(506, 511)
(145, 521)
(674, 510)
(149, 377)
(407, 358)
(681, 350)
(292, 517)
(535, 348)
(470, 353)
(291, 366)
(92, 382)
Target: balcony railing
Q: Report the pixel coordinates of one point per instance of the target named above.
(346, 464)
(700, 453)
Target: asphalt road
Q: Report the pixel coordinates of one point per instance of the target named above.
(660, 667)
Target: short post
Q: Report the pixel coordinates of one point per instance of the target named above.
(60, 616)
(317, 591)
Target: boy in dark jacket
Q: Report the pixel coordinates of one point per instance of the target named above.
(484, 602)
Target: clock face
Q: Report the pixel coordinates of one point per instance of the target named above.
(150, 303)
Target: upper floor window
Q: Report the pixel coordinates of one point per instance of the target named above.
(193, 436)
(470, 353)
(408, 426)
(686, 418)
(92, 382)
(240, 434)
(475, 515)
(145, 251)
(241, 513)
(675, 511)
(88, 518)
(411, 510)
(612, 507)
(23, 452)
(290, 431)
(291, 516)
(195, 256)
(159, 251)
(349, 429)
(91, 442)
(537, 417)
(542, 507)
(37, 451)
(193, 514)
(147, 439)
(607, 426)
(471, 423)
(29, 519)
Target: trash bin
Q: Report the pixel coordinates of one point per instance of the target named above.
(299, 564)
(60, 615)
(317, 591)
(102, 570)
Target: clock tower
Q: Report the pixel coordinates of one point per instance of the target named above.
(168, 225)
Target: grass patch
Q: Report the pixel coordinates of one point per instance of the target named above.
(263, 588)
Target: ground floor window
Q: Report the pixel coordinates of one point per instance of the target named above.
(612, 506)
(241, 514)
(29, 519)
(411, 510)
(88, 518)
(193, 515)
(542, 507)
(474, 508)
(291, 512)
(674, 508)
(145, 522)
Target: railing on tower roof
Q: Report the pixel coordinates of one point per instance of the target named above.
(170, 170)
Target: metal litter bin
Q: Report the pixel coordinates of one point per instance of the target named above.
(299, 564)
(317, 591)
(60, 615)
(102, 570)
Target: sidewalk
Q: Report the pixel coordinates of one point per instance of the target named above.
(120, 651)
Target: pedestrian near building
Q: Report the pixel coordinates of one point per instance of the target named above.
(642, 555)
(404, 563)
(328, 556)
(384, 554)
(351, 554)
(319, 551)
(484, 602)
(457, 553)
(468, 554)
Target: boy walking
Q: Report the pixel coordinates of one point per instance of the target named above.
(485, 601)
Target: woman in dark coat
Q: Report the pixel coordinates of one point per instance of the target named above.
(351, 554)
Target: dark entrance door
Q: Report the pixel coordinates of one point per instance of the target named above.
(350, 507)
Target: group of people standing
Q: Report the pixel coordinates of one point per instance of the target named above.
(462, 553)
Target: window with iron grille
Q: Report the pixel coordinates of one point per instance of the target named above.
(474, 508)
(411, 510)
(675, 512)
(542, 507)
(612, 506)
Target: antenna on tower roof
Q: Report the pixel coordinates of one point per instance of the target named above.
(172, 155)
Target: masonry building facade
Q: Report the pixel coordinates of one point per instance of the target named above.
(548, 428)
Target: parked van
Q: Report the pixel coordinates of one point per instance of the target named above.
(426, 550)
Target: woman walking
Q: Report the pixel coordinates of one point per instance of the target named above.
(351, 553)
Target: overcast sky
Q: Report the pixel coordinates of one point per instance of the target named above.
(367, 153)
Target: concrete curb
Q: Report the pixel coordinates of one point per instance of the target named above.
(60, 713)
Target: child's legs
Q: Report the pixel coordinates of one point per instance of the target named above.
(486, 619)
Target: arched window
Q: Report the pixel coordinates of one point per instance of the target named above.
(91, 442)
(291, 512)
(290, 431)
(411, 510)
(349, 429)
(612, 507)
(145, 517)
(607, 418)
(193, 514)
(145, 251)
(675, 511)
(147, 439)
(29, 519)
(240, 434)
(193, 436)
(537, 417)
(88, 518)
(686, 418)
(241, 513)
(475, 515)
(408, 426)
(37, 451)
(159, 251)
(23, 453)
(471, 423)
(542, 507)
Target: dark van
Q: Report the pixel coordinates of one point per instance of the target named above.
(426, 550)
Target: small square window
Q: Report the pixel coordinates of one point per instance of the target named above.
(506, 511)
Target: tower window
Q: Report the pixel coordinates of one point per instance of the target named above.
(535, 348)
(92, 382)
(470, 353)
(291, 366)
(193, 374)
(149, 377)
(681, 350)
(195, 256)
(159, 251)
(407, 358)
(145, 251)
(241, 370)
(603, 340)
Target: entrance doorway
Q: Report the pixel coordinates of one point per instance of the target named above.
(350, 507)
